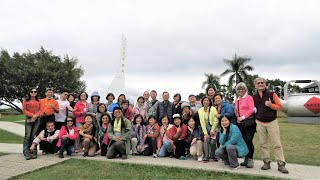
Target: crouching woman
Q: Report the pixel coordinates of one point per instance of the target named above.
(232, 144)
(67, 136)
(89, 134)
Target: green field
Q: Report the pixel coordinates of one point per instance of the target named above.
(90, 169)
(301, 143)
(7, 137)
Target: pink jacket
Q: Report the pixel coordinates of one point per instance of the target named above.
(63, 131)
(136, 111)
(246, 105)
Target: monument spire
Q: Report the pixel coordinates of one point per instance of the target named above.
(117, 85)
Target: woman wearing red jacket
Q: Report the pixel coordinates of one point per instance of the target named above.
(178, 133)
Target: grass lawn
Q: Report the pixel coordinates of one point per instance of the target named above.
(301, 143)
(89, 169)
(7, 137)
(12, 118)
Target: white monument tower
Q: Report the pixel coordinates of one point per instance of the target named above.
(117, 85)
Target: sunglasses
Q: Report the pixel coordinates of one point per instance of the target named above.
(260, 82)
(33, 91)
(69, 121)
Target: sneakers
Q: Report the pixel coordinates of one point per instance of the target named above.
(205, 160)
(34, 154)
(183, 158)
(85, 154)
(200, 158)
(266, 164)
(61, 155)
(170, 154)
(155, 155)
(244, 163)
(250, 163)
(282, 168)
(215, 158)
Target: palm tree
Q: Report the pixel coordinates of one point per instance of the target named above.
(211, 80)
(237, 68)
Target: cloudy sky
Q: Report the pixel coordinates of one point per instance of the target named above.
(170, 44)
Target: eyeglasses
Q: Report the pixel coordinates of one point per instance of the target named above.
(66, 94)
(33, 91)
(260, 82)
(69, 121)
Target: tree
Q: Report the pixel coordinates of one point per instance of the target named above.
(238, 68)
(20, 72)
(250, 83)
(211, 80)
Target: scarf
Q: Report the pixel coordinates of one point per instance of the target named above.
(151, 130)
(140, 137)
(105, 139)
(117, 126)
(86, 129)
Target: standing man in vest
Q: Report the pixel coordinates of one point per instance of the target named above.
(267, 103)
(152, 105)
(165, 108)
(48, 107)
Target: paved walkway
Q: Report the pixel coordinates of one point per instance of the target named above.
(14, 128)
(15, 162)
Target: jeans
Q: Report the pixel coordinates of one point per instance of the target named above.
(67, 145)
(30, 133)
(228, 154)
(166, 147)
(152, 148)
(209, 148)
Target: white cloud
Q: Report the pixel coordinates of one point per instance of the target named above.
(170, 44)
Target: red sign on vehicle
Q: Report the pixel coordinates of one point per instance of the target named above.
(313, 105)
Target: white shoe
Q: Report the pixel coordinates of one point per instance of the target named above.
(200, 158)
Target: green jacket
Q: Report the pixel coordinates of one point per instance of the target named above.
(125, 133)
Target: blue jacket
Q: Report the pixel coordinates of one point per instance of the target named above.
(234, 137)
(228, 110)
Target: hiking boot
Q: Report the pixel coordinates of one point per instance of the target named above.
(250, 163)
(124, 156)
(266, 164)
(61, 155)
(34, 154)
(245, 162)
(282, 168)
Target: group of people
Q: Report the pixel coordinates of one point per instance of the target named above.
(215, 129)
